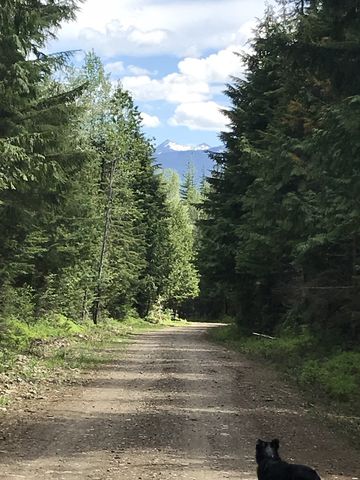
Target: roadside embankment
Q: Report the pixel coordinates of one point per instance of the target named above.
(328, 374)
(35, 359)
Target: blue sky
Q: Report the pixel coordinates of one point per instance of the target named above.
(174, 56)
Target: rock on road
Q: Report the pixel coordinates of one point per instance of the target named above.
(173, 407)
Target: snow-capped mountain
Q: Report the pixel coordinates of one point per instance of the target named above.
(177, 157)
(169, 146)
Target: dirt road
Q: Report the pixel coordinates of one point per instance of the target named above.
(175, 406)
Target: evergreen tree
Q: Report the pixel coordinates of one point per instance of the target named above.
(132, 267)
(37, 151)
(279, 212)
(234, 261)
(25, 27)
(182, 281)
(191, 194)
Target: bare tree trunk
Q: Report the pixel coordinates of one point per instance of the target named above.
(106, 232)
(83, 308)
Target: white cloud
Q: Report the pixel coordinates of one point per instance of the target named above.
(150, 121)
(216, 68)
(115, 68)
(183, 28)
(173, 88)
(115, 39)
(198, 79)
(199, 116)
(193, 88)
(151, 37)
(135, 70)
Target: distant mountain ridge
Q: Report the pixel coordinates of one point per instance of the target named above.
(172, 155)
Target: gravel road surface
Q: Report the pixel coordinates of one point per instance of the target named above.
(173, 407)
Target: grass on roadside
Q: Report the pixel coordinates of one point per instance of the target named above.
(4, 401)
(56, 349)
(306, 359)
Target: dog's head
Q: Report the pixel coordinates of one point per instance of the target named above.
(267, 450)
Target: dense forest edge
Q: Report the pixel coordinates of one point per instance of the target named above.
(94, 235)
(280, 233)
(91, 232)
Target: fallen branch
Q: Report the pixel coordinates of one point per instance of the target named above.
(264, 336)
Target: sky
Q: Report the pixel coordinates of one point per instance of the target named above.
(174, 56)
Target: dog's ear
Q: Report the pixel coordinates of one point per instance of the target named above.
(259, 443)
(275, 443)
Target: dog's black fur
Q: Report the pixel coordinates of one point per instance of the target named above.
(271, 467)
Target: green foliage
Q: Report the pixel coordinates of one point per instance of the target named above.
(87, 227)
(191, 195)
(4, 401)
(17, 303)
(227, 334)
(56, 349)
(338, 376)
(279, 234)
(288, 349)
(19, 336)
(307, 359)
(182, 281)
(160, 315)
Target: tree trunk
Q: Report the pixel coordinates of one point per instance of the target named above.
(106, 232)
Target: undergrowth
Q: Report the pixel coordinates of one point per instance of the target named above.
(324, 368)
(56, 348)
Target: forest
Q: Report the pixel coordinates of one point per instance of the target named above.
(280, 228)
(91, 229)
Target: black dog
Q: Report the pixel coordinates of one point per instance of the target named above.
(271, 467)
